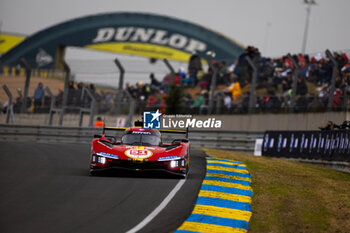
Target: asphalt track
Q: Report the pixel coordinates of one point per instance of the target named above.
(46, 188)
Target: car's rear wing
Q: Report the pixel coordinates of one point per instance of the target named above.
(174, 131)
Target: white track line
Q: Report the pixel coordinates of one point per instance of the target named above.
(157, 210)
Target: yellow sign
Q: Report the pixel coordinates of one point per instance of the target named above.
(142, 49)
(8, 41)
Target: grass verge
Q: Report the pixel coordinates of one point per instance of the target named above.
(294, 197)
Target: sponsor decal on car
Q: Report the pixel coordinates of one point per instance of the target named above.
(168, 158)
(141, 132)
(138, 153)
(107, 155)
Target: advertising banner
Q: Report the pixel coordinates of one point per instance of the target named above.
(332, 145)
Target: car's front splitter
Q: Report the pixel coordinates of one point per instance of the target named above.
(120, 168)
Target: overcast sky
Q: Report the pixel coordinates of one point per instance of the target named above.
(276, 27)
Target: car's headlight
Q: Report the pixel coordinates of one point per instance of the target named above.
(102, 160)
(174, 163)
(98, 159)
(177, 163)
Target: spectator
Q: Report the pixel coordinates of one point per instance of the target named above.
(188, 102)
(78, 95)
(47, 102)
(17, 105)
(242, 68)
(165, 84)
(204, 107)
(329, 126)
(38, 97)
(94, 93)
(265, 70)
(345, 125)
(337, 100)
(224, 76)
(301, 104)
(271, 102)
(99, 122)
(338, 82)
(5, 107)
(186, 81)
(71, 93)
(316, 105)
(244, 104)
(323, 95)
(154, 82)
(197, 103)
(287, 83)
(19, 92)
(154, 102)
(128, 88)
(227, 102)
(59, 97)
(205, 82)
(235, 87)
(182, 73)
(151, 101)
(219, 102)
(194, 66)
(301, 87)
(177, 79)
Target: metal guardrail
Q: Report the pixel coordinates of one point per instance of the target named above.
(47, 133)
(242, 141)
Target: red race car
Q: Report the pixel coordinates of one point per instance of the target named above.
(140, 150)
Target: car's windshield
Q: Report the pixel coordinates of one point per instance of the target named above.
(141, 139)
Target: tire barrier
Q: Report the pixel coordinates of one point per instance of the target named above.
(224, 201)
(330, 145)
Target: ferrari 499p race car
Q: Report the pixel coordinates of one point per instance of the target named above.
(140, 150)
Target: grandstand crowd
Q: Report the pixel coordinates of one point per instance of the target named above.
(273, 92)
(274, 85)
